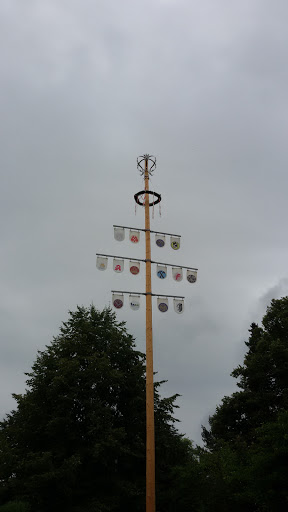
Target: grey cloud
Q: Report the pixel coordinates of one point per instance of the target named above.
(85, 89)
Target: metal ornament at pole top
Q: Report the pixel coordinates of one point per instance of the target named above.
(146, 165)
(146, 162)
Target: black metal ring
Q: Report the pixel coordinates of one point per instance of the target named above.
(136, 197)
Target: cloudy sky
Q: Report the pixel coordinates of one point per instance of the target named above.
(86, 87)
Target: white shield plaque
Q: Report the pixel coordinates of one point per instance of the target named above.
(134, 301)
(175, 242)
(161, 271)
(134, 236)
(119, 234)
(177, 273)
(101, 263)
(178, 306)
(118, 265)
(162, 304)
(191, 276)
(134, 267)
(160, 240)
(117, 300)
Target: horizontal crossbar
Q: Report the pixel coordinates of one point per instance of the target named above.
(144, 261)
(153, 294)
(140, 229)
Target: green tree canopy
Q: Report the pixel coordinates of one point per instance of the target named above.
(247, 458)
(76, 440)
(263, 381)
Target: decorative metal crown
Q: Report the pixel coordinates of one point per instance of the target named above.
(151, 164)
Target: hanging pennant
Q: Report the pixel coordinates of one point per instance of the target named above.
(178, 306)
(134, 267)
(162, 304)
(134, 236)
(119, 234)
(161, 271)
(101, 263)
(177, 273)
(191, 276)
(134, 301)
(160, 240)
(175, 242)
(117, 300)
(118, 265)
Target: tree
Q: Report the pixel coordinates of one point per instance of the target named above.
(76, 440)
(246, 453)
(267, 468)
(263, 381)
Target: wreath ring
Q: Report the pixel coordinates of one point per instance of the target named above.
(155, 194)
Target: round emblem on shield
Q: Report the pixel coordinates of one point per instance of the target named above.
(191, 278)
(160, 242)
(118, 303)
(175, 245)
(134, 270)
(161, 274)
(162, 307)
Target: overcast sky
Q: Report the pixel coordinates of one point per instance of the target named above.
(86, 87)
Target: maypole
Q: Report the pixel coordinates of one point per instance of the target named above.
(150, 435)
(146, 164)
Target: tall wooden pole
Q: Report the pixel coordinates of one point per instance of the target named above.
(150, 435)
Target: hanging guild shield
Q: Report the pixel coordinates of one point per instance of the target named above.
(134, 236)
(191, 276)
(134, 301)
(118, 265)
(178, 306)
(134, 267)
(119, 234)
(101, 263)
(160, 240)
(177, 273)
(162, 304)
(117, 300)
(175, 242)
(161, 271)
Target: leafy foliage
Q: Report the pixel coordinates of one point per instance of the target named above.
(247, 441)
(15, 506)
(77, 437)
(263, 381)
(76, 440)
